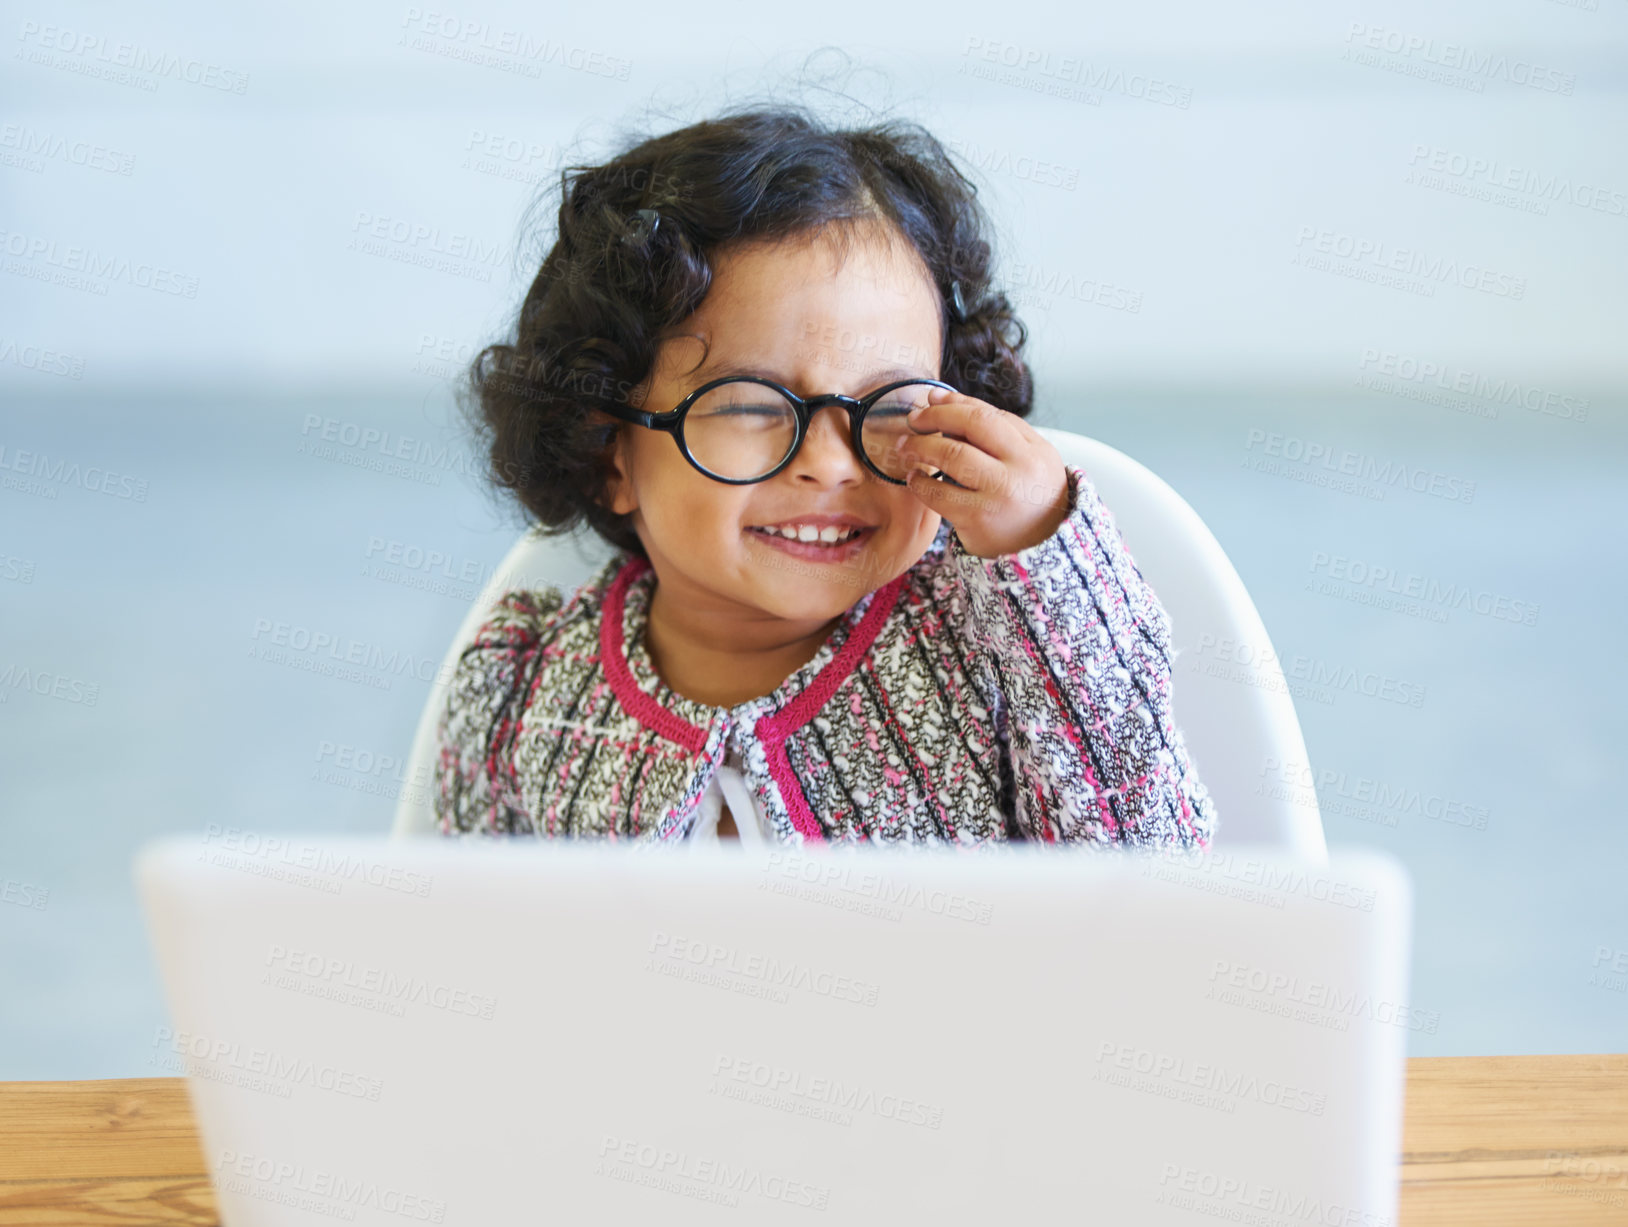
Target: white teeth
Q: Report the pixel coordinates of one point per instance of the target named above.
(829, 535)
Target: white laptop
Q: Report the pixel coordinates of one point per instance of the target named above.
(490, 1032)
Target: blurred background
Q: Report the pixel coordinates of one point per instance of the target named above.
(1352, 278)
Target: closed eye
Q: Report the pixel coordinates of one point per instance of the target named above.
(736, 411)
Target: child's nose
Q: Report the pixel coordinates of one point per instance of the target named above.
(827, 440)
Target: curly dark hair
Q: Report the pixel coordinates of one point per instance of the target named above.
(616, 276)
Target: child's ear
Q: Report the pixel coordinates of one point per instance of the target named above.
(618, 497)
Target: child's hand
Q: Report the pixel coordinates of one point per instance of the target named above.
(1016, 489)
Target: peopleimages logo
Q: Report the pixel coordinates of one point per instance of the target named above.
(98, 268)
(771, 972)
(994, 160)
(776, 1081)
(1034, 281)
(216, 1056)
(314, 857)
(1394, 799)
(306, 1188)
(35, 147)
(272, 634)
(1499, 389)
(1072, 70)
(1318, 995)
(387, 445)
(1459, 58)
(23, 894)
(870, 884)
(701, 1177)
(1384, 474)
(48, 685)
(1495, 174)
(1366, 576)
(39, 41)
(1229, 1084)
(1311, 670)
(410, 556)
(1240, 1199)
(38, 358)
(1409, 261)
(512, 50)
(455, 244)
(385, 985)
(1271, 876)
(97, 480)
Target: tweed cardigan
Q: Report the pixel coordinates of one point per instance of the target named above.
(970, 699)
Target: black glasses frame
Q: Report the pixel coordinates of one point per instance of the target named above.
(672, 422)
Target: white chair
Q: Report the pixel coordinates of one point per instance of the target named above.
(1242, 735)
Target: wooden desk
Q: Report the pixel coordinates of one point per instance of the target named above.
(1489, 1141)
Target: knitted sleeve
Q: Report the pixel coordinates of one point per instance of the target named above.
(476, 789)
(1078, 648)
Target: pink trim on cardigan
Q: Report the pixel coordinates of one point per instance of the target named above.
(773, 730)
(613, 660)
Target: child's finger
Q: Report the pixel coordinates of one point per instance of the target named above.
(941, 494)
(967, 465)
(989, 429)
(929, 490)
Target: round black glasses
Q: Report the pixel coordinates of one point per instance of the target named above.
(743, 428)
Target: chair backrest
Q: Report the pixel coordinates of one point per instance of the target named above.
(1238, 719)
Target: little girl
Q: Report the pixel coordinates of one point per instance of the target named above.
(856, 596)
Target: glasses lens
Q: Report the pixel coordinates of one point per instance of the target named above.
(887, 421)
(740, 430)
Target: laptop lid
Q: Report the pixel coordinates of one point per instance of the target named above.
(466, 1031)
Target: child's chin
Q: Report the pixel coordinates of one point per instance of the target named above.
(824, 592)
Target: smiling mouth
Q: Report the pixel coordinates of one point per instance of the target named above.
(820, 538)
